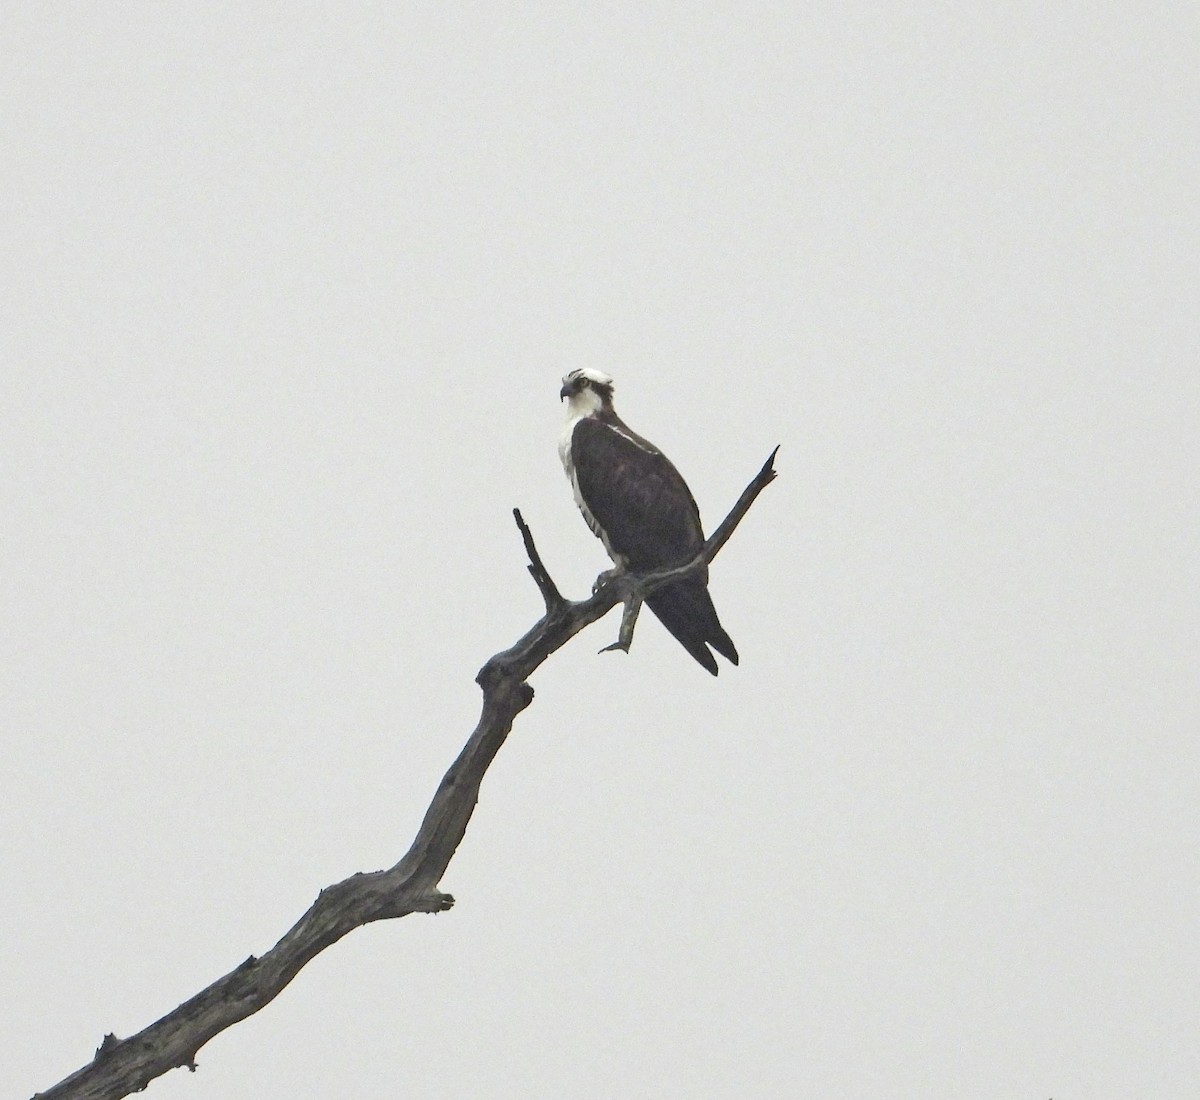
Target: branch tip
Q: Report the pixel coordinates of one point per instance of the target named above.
(550, 594)
(434, 902)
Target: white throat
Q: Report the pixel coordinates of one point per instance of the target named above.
(579, 408)
(583, 403)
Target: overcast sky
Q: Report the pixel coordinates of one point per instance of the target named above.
(289, 290)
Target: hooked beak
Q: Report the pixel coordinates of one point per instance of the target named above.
(564, 393)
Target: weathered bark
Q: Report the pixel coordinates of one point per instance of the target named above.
(122, 1066)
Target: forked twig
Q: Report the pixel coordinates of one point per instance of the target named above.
(547, 587)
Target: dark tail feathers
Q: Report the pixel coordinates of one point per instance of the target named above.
(686, 610)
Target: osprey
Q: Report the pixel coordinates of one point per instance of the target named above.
(640, 507)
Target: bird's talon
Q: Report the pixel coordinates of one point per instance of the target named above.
(605, 577)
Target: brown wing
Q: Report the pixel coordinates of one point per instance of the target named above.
(649, 516)
(635, 494)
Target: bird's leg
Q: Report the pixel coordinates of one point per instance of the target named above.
(633, 604)
(631, 598)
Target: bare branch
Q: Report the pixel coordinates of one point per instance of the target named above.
(721, 535)
(547, 587)
(122, 1066)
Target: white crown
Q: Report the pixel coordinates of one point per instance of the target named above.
(597, 376)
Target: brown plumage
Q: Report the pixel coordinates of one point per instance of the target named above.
(637, 503)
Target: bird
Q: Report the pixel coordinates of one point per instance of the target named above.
(641, 509)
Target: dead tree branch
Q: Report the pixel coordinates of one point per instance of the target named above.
(123, 1066)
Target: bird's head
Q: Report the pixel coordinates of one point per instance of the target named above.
(587, 391)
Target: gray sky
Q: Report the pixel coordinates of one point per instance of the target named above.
(288, 295)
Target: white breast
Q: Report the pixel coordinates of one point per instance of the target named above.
(564, 452)
(564, 446)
